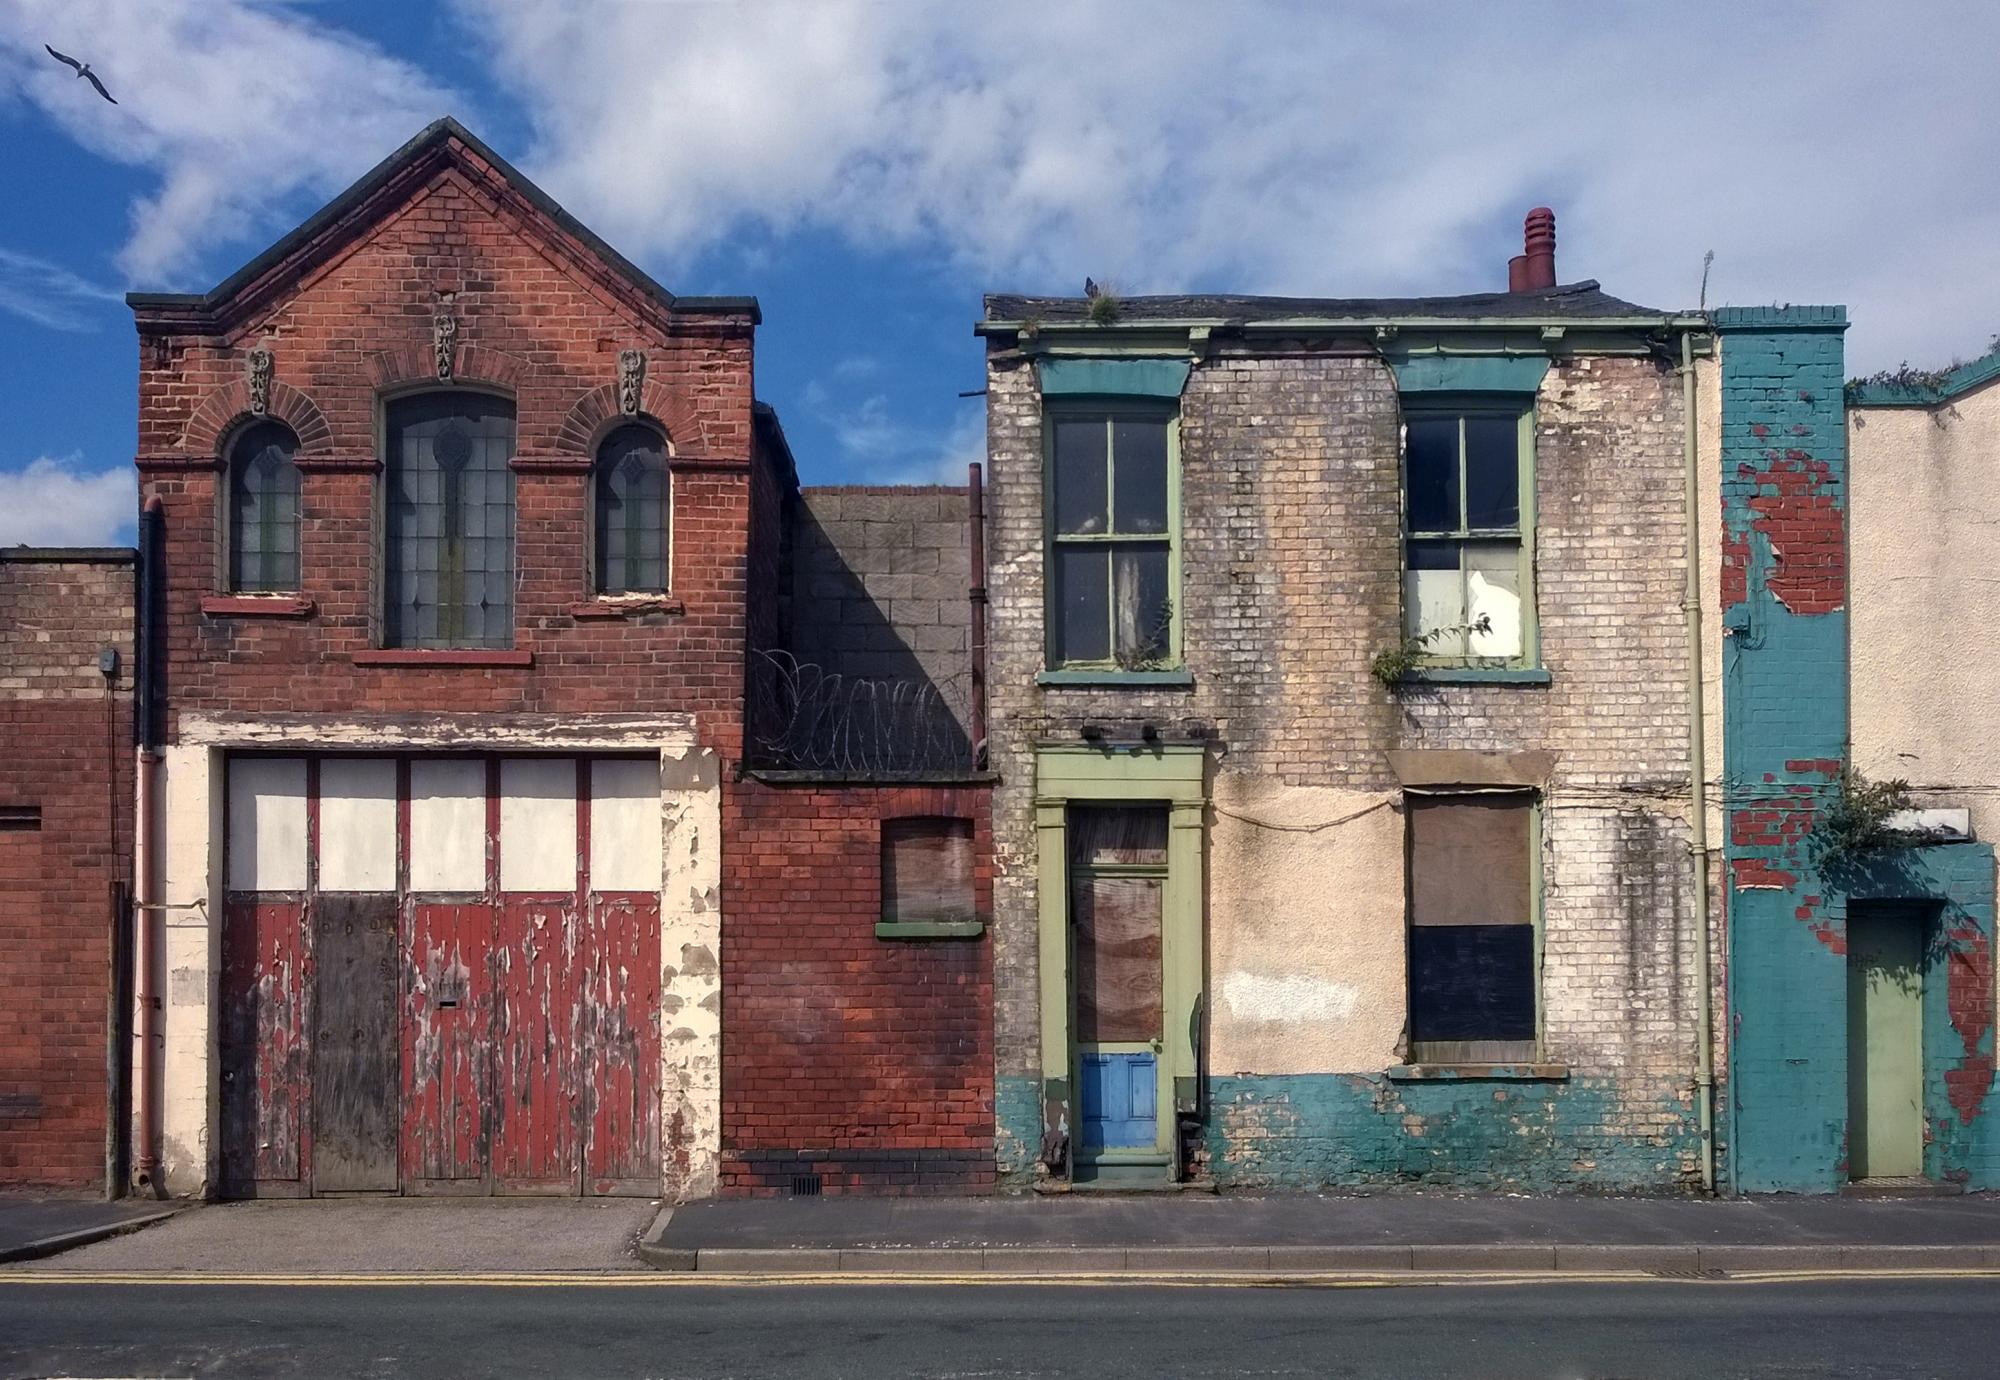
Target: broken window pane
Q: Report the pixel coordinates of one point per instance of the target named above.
(1431, 474)
(1139, 460)
(1080, 476)
(1492, 472)
(1471, 918)
(1493, 597)
(1083, 596)
(1142, 612)
(1434, 597)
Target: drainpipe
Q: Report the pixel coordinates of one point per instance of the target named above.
(976, 493)
(146, 841)
(1704, 1075)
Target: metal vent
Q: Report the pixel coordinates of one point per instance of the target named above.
(805, 1185)
(20, 816)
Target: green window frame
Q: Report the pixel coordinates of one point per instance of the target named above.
(1128, 562)
(1462, 542)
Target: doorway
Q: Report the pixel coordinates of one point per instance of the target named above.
(1885, 1040)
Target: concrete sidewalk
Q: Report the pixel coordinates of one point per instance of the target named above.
(1311, 1234)
(35, 1225)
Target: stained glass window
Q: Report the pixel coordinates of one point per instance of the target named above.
(264, 511)
(632, 512)
(449, 522)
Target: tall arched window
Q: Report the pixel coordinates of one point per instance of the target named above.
(632, 517)
(448, 510)
(264, 511)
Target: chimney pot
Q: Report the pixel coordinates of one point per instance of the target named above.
(1539, 238)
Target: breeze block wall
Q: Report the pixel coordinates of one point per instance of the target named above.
(857, 1063)
(66, 751)
(1290, 503)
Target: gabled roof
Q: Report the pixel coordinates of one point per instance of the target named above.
(1583, 301)
(434, 139)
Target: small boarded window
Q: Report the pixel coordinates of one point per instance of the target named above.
(1118, 880)
(1472, 930)
(264, 511)
(927, 872)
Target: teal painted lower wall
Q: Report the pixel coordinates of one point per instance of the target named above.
(1017, 1128)
(1356, 1130)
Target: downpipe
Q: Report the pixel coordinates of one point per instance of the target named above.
(146, 915)
(1704, 1076)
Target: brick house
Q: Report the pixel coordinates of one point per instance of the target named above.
(467, 536)
(65, 862)
(1341, 703)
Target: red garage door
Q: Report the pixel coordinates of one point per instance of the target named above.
(441, 975)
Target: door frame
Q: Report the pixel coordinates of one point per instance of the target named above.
(1172, 775)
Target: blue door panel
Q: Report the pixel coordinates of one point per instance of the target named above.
(1120, 1103)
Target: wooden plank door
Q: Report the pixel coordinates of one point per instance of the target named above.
(446, 1045)
(354, 1046)
(535, 1016)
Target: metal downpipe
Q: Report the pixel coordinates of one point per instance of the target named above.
(1704, 1076)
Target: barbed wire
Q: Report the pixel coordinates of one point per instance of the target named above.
(805, 717)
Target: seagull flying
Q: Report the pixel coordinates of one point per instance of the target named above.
(82, 70)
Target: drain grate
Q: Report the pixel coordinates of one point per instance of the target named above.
(805, 1185)
(1710, 1273)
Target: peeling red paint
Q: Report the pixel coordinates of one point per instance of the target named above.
(262, 1039)
(1799, 511)
(1812, 766)
(1760, 872)
(1759, 430)
(1969, 1002)
(1823, 929)
(1774, 823)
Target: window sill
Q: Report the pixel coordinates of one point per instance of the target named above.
(1485, 1073)
(611, 606)
(1084, 676)
(443, 656)
(929, 929)
(257, 606)
(1477, 675)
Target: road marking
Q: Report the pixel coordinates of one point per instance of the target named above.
(1175, 1280)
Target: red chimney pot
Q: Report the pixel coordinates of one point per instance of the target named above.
(1539, 237)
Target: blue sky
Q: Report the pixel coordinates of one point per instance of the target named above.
(868, 169)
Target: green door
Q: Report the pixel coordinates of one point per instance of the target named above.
(1885, 1042)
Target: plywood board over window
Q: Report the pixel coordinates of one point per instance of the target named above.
(927, 873)
(1473, 975)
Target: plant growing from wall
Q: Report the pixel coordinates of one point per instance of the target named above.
(1152, 651)
(1855, 822)
(1105, 307)
(1392, 664)
(1906, 378)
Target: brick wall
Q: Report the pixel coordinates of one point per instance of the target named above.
(1291, 573)
(66, 746)
(540, 316)
(865, 1062)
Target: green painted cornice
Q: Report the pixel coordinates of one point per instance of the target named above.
(1956, 382)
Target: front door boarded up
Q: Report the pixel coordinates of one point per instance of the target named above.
(441, 975)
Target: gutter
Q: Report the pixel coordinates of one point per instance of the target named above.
(1704, 1076)
(1294, 324)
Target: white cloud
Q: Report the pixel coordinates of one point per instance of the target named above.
(886, 449)
(1824, 151)
(236, 108)
(54, 502)
(50, 295)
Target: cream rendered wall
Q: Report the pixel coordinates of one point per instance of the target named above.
(1924, 652)
(1305, 928)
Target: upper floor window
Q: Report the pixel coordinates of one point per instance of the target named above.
(632, 512)
(263, 536)
(1113, 517)
(448, 530)
(1469, 550)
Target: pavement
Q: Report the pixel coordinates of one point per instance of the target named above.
(376, 1236)
(1279, 1234)
(32, 1226)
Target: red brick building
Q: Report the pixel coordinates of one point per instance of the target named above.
(470, 538)
(65, 860)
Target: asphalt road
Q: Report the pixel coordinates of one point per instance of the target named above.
(1929, 1327)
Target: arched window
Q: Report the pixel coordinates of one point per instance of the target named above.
(263, 511)
(448, 511)
(632, 517)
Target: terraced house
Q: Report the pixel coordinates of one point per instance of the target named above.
(1343, 703)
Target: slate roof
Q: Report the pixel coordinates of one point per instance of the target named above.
(1582, 301)
(428, 139)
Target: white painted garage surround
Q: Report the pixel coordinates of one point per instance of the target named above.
(372, 878)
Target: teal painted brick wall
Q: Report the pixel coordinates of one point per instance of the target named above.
(1314, 1130)
(1017, 1128)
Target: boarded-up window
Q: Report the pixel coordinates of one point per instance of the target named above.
(1118, 880)
(1472, 932)
(927, 870)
